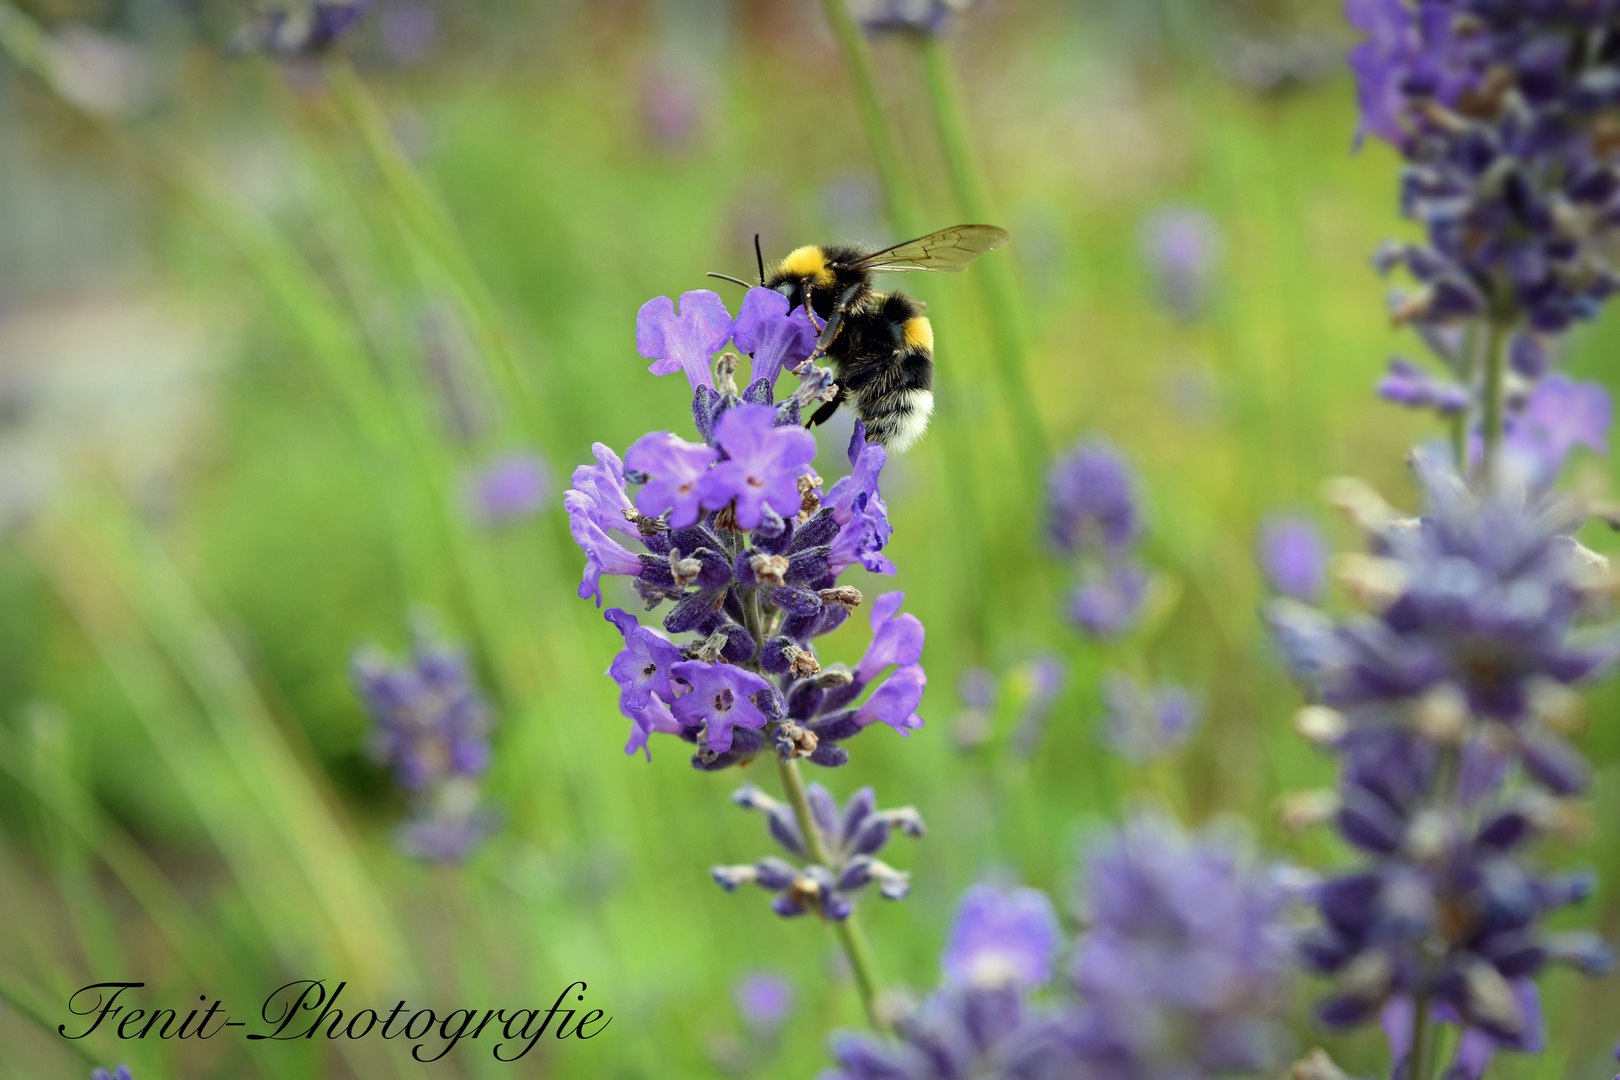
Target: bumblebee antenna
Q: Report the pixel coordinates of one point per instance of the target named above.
(728, 277)
(760, 259)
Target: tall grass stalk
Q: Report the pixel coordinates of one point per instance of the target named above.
(994, 274)
(428, 220)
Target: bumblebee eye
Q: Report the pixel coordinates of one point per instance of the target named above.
(787, 289)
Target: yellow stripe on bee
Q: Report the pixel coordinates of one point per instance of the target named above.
(919, 332)
(808, 262)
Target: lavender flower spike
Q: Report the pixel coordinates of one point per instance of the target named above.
(685, 341)
(432, 729)
(773, 336)
(120, 1073)
(1000, 937)
(1186, 962)
(1091, 500)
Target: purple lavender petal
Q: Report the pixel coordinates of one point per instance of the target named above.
(684, 341)
(675, 468)
(773, 336)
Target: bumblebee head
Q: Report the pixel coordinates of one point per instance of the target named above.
(808, 262)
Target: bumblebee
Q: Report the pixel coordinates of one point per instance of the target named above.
(880, 344)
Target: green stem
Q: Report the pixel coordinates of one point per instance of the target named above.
(26, 42)
(427, 219)
(1496, 343)
(1420, 1042)
(858, 63)
(856, 947)
(993, 275)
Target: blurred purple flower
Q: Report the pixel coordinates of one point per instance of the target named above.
(773, 336)
(120, 1073)
(685, 341)
(1002, 937)
(1294, 557)
(977, 688)
(1448, 907)
(1413, 386)
(1141, 724)
(431, 727)
(1091, 500)
(1559, 415)
(1487, 592)
(1187, 955)
(675, 470)
(928, 18)
(430, 720)
(764, 999)
(410, 30)
(511, 488)
(762, 466)
(1380, 64)
(720, 697)
(449, 826)
(1182, 246)
(303, 30)
(1107, 604)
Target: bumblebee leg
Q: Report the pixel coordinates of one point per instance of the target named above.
(809, 308)
(835, 321)
(823, 414)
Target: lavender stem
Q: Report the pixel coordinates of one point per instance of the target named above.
(1496, 348)
(850, 935)
(1420, 1042)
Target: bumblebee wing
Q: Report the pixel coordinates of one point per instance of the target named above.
(947, 251)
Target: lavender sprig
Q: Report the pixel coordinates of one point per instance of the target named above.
(1446, 704)
(734, 531)
(1182, 972)
(432, 730)
(1503, 114)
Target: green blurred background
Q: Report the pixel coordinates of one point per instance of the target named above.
(246, 366)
